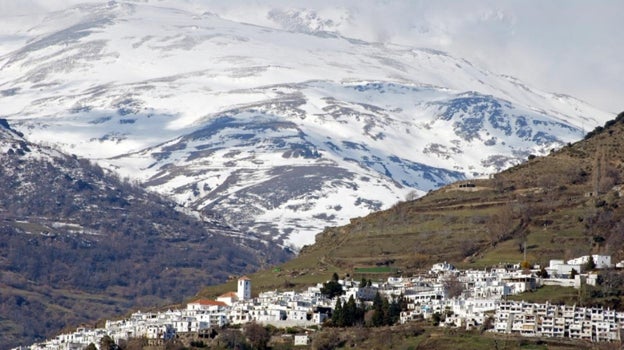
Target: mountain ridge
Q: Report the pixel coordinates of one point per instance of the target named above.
(179, 71)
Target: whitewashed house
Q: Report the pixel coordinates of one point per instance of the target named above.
(297, 315)
(601, 261)
(301, 340)
(228, 298)
(319, 317)
(206, 305)
(441, 268)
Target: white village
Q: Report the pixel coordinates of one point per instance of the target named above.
(481, 300)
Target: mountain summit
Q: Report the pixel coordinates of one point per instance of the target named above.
(277, 132)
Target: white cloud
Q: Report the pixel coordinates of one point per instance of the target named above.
(11, 8)
(567, 46)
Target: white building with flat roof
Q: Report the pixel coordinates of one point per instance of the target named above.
(601, 261)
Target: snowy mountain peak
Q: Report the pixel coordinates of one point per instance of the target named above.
(278, 130)
(301, 20)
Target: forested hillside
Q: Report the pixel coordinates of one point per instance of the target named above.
(77, 244)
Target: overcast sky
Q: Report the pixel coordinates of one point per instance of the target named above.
(574, 47)
(567, 46)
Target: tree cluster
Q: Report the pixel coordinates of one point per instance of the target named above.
(348, 314)
(543, 273)
(365, 283)
(453, 286)
(386, 312)
(608, 292)
(383, 312)
(332, 288)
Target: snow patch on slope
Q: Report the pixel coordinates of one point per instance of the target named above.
(279, 131)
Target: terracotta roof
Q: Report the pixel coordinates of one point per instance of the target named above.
(228, 295)
(243, 278)
(207, 302)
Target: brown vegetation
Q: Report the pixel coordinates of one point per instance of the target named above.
(77, 245)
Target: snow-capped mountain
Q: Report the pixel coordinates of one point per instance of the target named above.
(276, 131)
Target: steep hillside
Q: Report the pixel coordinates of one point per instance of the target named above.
(278, 132)
(566, 204)
(77, 244)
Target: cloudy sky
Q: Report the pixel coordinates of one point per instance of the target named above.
(567, 46)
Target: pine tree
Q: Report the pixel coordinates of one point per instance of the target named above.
(387, 318)
(360, 312)
(378, 318)
(591, 264)
(338, 316)
(350, 312)
(394, 311)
